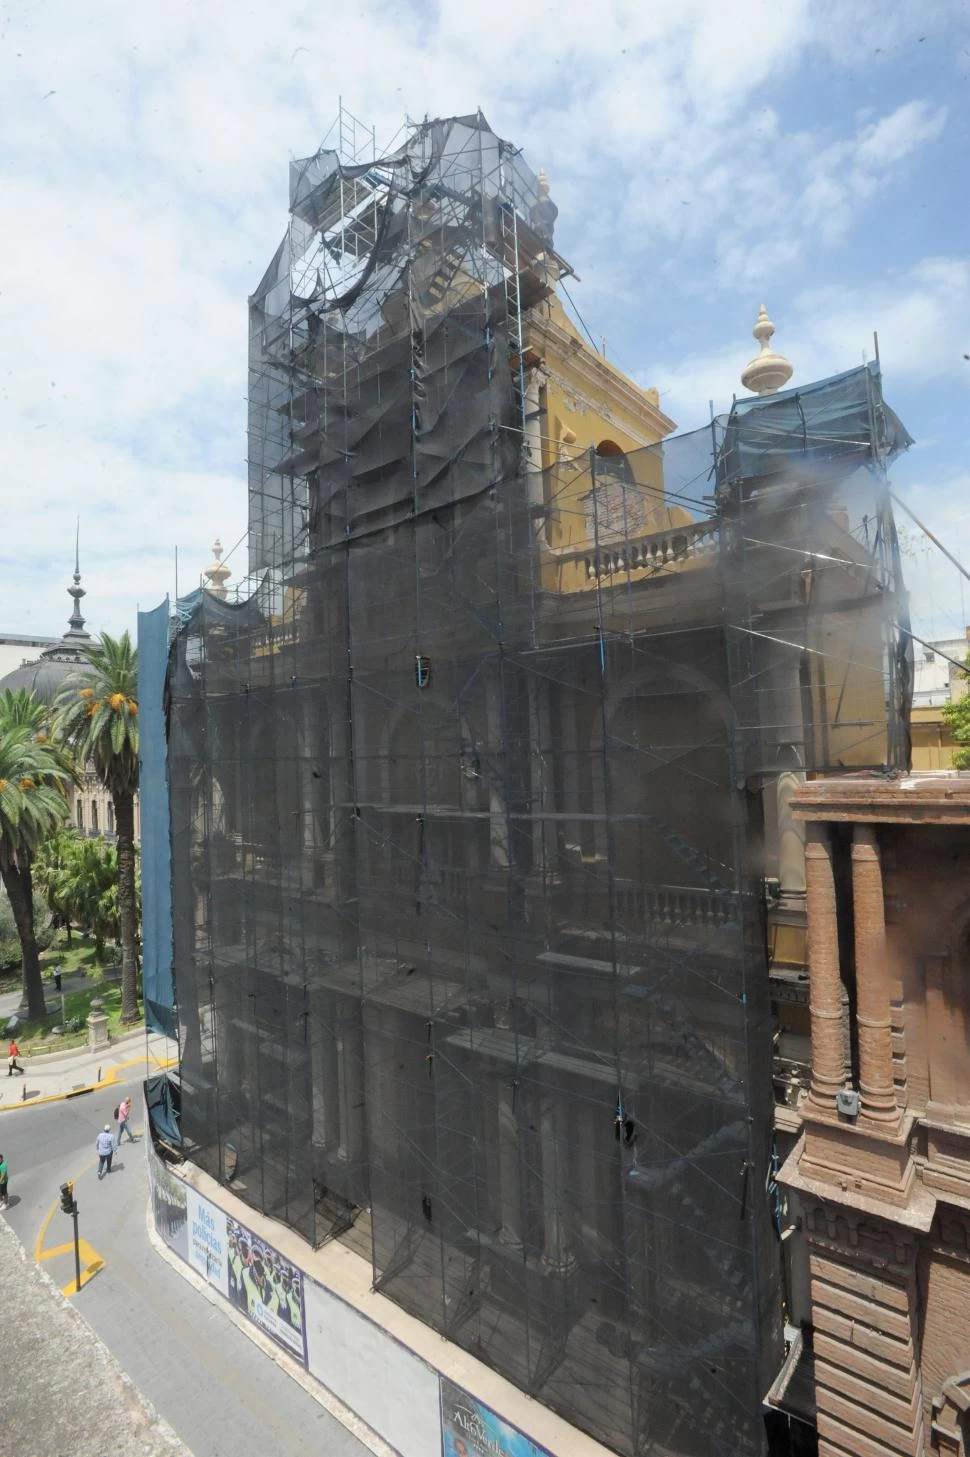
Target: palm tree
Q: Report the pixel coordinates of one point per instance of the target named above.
(21, 708)
(96, 892)
(33, 780)
(53, 874)
(97, 715)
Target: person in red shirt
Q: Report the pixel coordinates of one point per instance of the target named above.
(12, 1064)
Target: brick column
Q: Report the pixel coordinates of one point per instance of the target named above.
(872, 980)
(825, 993)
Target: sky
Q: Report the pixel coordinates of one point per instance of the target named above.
(705, 155)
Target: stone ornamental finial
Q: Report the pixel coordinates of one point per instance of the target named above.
(543, 180)
(217, 572)
(76, 621)
(768, 371)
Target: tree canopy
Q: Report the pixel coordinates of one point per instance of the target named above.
(96, 712)
(34, 776)
(956, 716)
(79, 880)
(97, 716)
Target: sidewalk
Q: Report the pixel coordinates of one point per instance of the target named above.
(64, 1390)
(78, 1071)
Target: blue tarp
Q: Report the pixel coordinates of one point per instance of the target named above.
(156, 857)
(828, 420)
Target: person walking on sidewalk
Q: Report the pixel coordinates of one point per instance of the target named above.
(124, 1113)
(105, 1147)
(4, 1176)
(13, 1066)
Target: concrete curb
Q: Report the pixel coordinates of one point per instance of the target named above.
(332, 1404)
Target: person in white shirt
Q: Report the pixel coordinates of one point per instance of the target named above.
(105, 1147)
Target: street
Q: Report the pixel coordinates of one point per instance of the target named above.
(217, 1389)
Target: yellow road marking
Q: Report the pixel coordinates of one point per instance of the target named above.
(38, 1245)
(88, 1273)
(88, 1255)
(57, 1250)
(91, 1261)
(111, 1076)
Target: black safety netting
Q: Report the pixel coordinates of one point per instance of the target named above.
(471, 830)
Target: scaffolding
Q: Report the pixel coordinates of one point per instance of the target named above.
(469, 857)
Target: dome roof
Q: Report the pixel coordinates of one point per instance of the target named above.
(45, 676)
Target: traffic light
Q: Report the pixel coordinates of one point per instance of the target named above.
(67, 1198)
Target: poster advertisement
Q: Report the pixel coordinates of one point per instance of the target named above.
(469, 1428)
(245, 1269)
(268, 1288)
(169, 1206)
(208, 1248)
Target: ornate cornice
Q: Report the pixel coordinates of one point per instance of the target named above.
(555, 344)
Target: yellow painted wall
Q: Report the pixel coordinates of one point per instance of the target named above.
(588, 405)
(933, 745)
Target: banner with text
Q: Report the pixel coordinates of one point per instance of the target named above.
(469, 1428)
(247, 1271)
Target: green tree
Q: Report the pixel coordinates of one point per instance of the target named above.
(53, 873)
(97, 716)
(20, 708)
(10, 951)
(79, 880)
(33, 782)
(92, 891)
(956, 716)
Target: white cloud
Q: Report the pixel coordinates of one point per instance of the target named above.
(922, 316)
(145, 154)
(897, 135)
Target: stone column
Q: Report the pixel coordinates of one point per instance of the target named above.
(825, 984)
(326, 1118)
(510, 1184)
(342, 1111)
(872, 980)
(541, 735)
(553, 1135)
(532, 436)
(495, 752)
(785, 733)
(569, 756)
(350, 1096)
(352, 1113)
(791, 841)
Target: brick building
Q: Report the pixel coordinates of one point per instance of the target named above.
(879, 1178)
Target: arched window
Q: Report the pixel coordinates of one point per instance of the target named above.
(110, 812)
(80, 814)
(94, 815)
